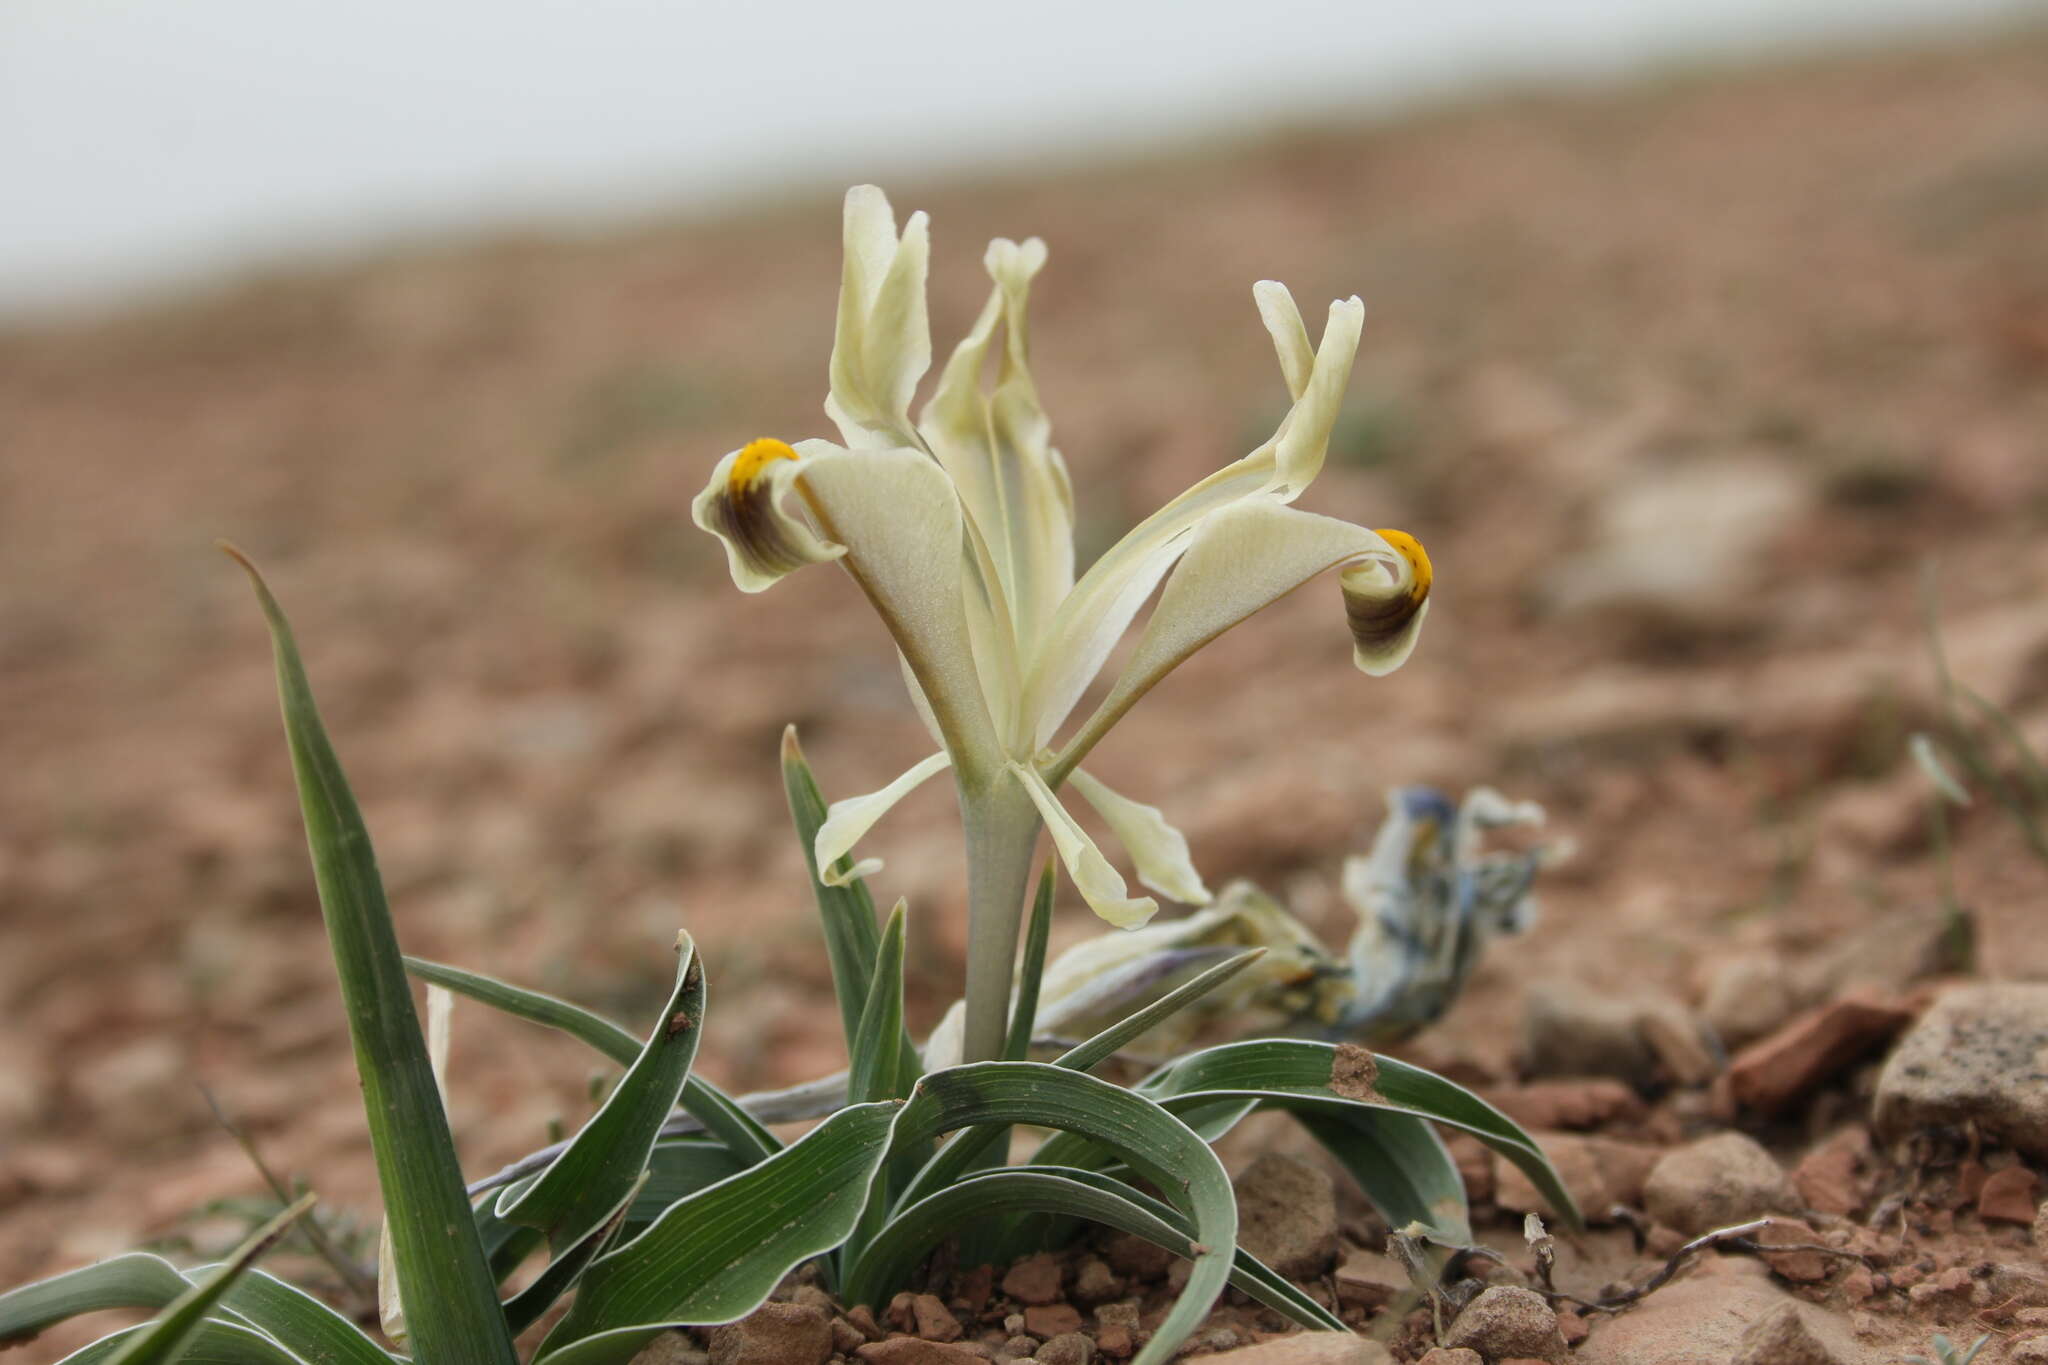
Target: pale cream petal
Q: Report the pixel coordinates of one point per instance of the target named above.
(1157, 849)
(848, 820)
(1290, 337)
(1241, 559)
(1096, 613)
(1098, 882)
(997, 446)
(882, 344)
(747, 506)
(1304, 437)
(897, 516)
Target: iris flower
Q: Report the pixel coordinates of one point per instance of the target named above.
(958, 526)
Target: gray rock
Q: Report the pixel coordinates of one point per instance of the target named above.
(1505, 1322)
(1572, 1031)
(671, 1348)
(1069, 1348)
(1287, 1215)
(1703, 1316)
(1716, 1181)
(1781, 1337)
(1979, 1055)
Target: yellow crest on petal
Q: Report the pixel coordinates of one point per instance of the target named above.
(1386, 609)
(755, 456)
(1410, 549)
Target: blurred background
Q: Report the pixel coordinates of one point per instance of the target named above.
(1694, 331)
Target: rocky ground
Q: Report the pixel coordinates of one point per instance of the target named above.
(1682, 385)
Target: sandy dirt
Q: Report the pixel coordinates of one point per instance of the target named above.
(1681, 385)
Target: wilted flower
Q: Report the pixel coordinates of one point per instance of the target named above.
(959, 528)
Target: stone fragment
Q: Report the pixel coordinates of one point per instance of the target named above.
(774, 1334)
(1051, 1319)
(1701, 1317)
(1714, 1182)
(1287, 1215)
(1803, 1267)
(1828, 1178)
(1979, 1055)
(863, 1318)
(902, 1350)
(2008, 1196)
(1095, 1282)
(1683, 1056)
(1551, 1106)
(846, 1338)
(1306, 1348)
(1747, 997)
(671, 1348)
(1452, 1355)
(1597, 1172)
(1136, 1257)
(934, 1321)
(2031, 1351)
(972, 1289)
(1781, 1337)
(1790, 1063)
(1019, 1347)
(1033, 1280)
(2021, 1287)
(1571, 1031)
(1068, 1348)
(1505, 1321)
(2040, 1228)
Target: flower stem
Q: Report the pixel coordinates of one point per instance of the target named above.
(1002, 831)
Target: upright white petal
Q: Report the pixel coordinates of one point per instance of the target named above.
(1096, 613)
(1157, 849)
(1290, 337)
(848, 820)
(897, 516)
(1098, 882)
(1241, 559)
(997, 446)
(882, 345)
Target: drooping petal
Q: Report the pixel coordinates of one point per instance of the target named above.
(1386, 601)
(895, 513)
(848, 820)
(746, 506)
(882, 345)
(1157, 849)
(1242, 558)
(1096, 613)
(997, 446)
(1098, 882)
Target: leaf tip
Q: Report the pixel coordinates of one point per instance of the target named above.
(792, 752)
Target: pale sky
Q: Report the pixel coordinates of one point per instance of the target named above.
(147, 142)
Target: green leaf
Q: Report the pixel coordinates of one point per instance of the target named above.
(847, 912)
(677, 1168)
(213, 1342)
(715, 1256)
(720, 1114)
(961, 1154)
(451, 1300)
(307, 1327)
(875, 1074)
(1031, 973)
(910, 1235)
(585, 1186)
(136, 1280)
(1401, 1164)
(166, 1339)
(560, 1275)
(1295, 1074)
(536, 1007)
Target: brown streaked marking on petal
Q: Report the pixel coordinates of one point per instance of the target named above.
(1378, 619)
(745, 514)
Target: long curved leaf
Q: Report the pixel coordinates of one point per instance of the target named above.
(911, 1234)
(715, 1256)
(165, 1339)
(136, 1280)
(604, 1163)
(451, 1300)
(213, 1342)
(1401, 1164)
(720, 1114)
